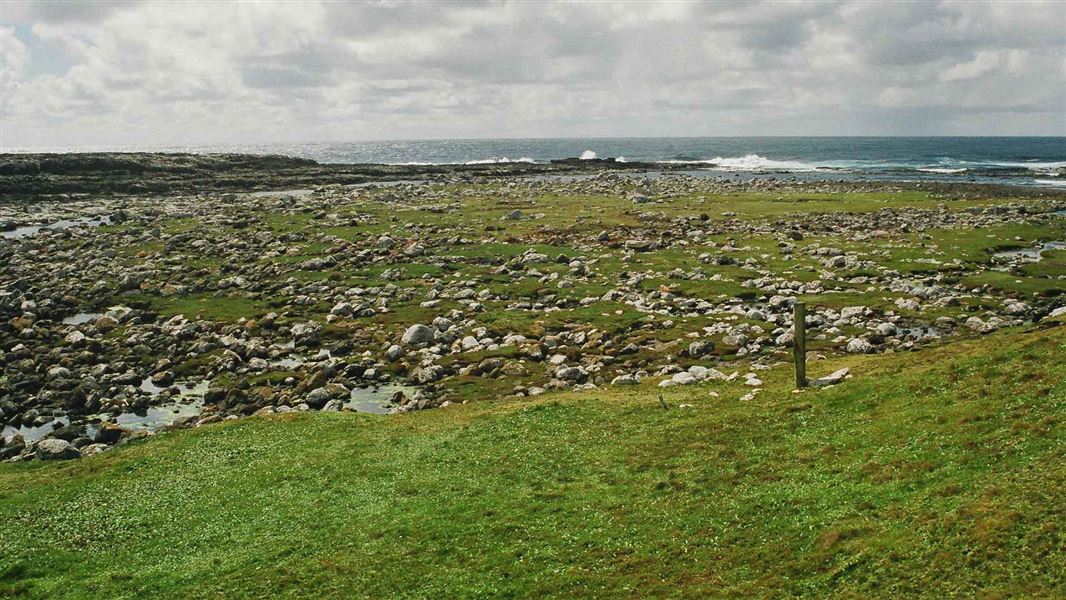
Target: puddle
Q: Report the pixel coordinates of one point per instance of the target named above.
(155, 418)
(32, 434)
(269, 193)
(1030, 254)
(377, 399)
(197, 389)
(287, 364)
(188, 403)
(80, 318)
(31, 230)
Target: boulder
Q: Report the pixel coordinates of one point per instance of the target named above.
(56, 449)
(859, 346)
(572, 374)
(306, 334)
(417, 334)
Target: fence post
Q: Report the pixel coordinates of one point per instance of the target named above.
(799, 343)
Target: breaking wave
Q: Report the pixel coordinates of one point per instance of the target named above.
(749, 162)
(499, 160)
(943, 170)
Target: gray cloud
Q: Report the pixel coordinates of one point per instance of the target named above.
(176, 73)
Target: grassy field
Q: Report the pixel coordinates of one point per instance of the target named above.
(937, 473)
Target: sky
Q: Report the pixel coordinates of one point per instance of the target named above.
(93, 74)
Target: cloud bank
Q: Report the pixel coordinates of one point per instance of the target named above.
(157, 73)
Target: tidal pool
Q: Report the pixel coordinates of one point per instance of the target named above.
(378, 399)
(1030, 254)
(157, 417)
(32, 434)
(31, 230)
(80, 318)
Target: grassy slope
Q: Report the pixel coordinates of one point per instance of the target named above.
(936, 473)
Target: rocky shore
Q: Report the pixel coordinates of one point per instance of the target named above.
(150, 296)
(38, 175)
(32, 177)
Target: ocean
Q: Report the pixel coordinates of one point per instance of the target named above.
(1039, 161)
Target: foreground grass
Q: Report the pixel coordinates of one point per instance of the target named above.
(932, 474)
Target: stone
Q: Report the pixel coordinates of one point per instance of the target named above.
(849, 312)
(887, 329)
(859, 346)
(306, 334)
(684, 378)
(75, 338)
(92, 449)
(342, 309)
(418, 334)
(1016, 308)
(832, 379)
(56, 449)
(578, 374)
(908, 304)
(700, 348)
(429, 374)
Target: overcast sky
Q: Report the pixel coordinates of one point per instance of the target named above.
(96, 73)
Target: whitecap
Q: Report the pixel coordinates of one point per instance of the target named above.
(943, 170)
(588, 155)
(499, 160)
(750, 162)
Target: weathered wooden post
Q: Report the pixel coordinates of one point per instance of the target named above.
(799, 343)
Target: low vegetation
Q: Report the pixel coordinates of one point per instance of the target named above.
(937, 473)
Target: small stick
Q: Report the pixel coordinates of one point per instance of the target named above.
(662, 403)
(799, 343)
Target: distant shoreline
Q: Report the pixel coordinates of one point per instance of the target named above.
(30, 176)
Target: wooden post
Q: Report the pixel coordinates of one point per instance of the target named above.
(799, 343)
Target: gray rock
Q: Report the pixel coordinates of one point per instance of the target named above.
(700, 348)
(417, 334)
(429, 374)
(395, 352)
(92, 449)
(306, 334)
(578, 374)
(684, 378)
(859, 346)
(832, 379)
(56, 449)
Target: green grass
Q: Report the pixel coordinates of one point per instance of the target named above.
(937, 474)
(207, 306)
